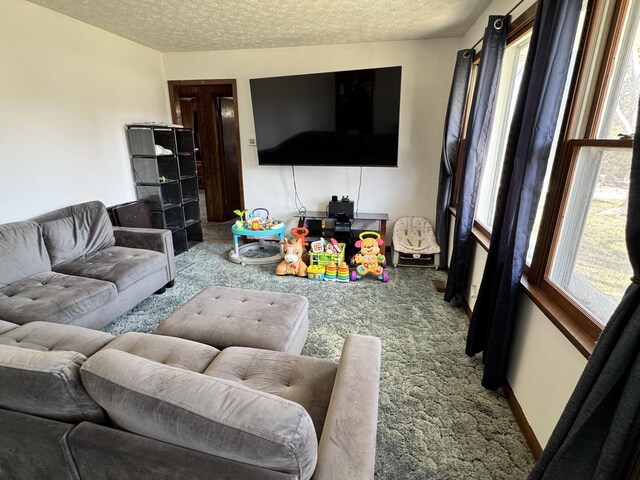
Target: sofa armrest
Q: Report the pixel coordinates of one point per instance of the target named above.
(348, 444)
(154, 239)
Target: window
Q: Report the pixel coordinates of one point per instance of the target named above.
(510, 79)
(584, 265)
(590, 262)
(579, 268)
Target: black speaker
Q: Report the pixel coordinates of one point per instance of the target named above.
(344, 207)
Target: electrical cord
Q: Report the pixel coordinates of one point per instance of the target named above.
(359, 187)
(302, 210)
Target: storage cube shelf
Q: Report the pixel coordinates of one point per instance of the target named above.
(194, 234)
(191, 212)
(161, 196)
(154, 169)
(184, 142)
(180, 241)
(187, 166)
(164, 171)
(189, 189)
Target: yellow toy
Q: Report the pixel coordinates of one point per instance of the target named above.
(369, 259)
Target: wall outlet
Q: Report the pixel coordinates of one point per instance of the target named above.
(252, 141)
(474, 291)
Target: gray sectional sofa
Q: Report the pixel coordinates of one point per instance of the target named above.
(78, 404)
(71, 266)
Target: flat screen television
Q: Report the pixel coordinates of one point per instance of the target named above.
(347, 118)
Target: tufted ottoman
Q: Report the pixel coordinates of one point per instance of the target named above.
(224, 317)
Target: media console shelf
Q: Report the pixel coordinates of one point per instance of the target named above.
(361, 222)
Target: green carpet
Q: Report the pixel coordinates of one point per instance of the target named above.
(435, 420)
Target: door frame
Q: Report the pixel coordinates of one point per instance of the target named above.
(208, 170)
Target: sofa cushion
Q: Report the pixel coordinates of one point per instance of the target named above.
(47, 336)
(53, 297)
(227, 317)
(175, 352)
(46, 384)
(207, 414)
(305, 380)
(120, 265)
(74, 231)
(7, 326)
(22, 252)
(104, 453)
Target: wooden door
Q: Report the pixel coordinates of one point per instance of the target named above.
(210, 108)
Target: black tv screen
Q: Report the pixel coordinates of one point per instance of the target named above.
(347, 118)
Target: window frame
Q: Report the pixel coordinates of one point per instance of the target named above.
(516, 29)
(599, 40)
(585, 327)
(501, 127)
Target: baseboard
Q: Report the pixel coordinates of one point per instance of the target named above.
(523, 423)
(467, 308)
(516, 409)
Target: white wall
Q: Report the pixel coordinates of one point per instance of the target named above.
(544, 365)
(544, 368)
(66, 91)
(410, 189)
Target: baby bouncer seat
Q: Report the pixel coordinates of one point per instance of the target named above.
(414, 243)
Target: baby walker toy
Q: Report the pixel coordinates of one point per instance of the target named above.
(369, 259)
(257, 226)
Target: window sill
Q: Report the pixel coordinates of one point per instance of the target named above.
(577, 335)
(558, 316)
(481, 235)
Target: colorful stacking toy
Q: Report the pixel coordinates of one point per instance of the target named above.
(331, 272)
(343, 272)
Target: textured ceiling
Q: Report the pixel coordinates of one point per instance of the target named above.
(194, 25)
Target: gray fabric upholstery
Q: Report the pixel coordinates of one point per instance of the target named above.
(75, 231)
(175, 352)
(22, 252)
(149, 239)
(7, 326)
(120, 265)
(304, 380)
(53, 297)
(46, 384)
(124, 301)
(34, 448)
(46, 336)
(93, 281)
(348, 445)
(223, 317)
(206, 414)
(103, 453)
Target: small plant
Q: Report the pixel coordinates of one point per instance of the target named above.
(240, 213)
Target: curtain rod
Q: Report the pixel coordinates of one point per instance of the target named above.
(503, 17)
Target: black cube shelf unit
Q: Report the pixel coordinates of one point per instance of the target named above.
(163, 162)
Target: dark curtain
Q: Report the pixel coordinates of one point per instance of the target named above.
(475, 152)
(450, 146)
(598, 432)
(525, 163)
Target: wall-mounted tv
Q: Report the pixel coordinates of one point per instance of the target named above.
(347, 118)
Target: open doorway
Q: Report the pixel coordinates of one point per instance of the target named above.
(209, 107)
